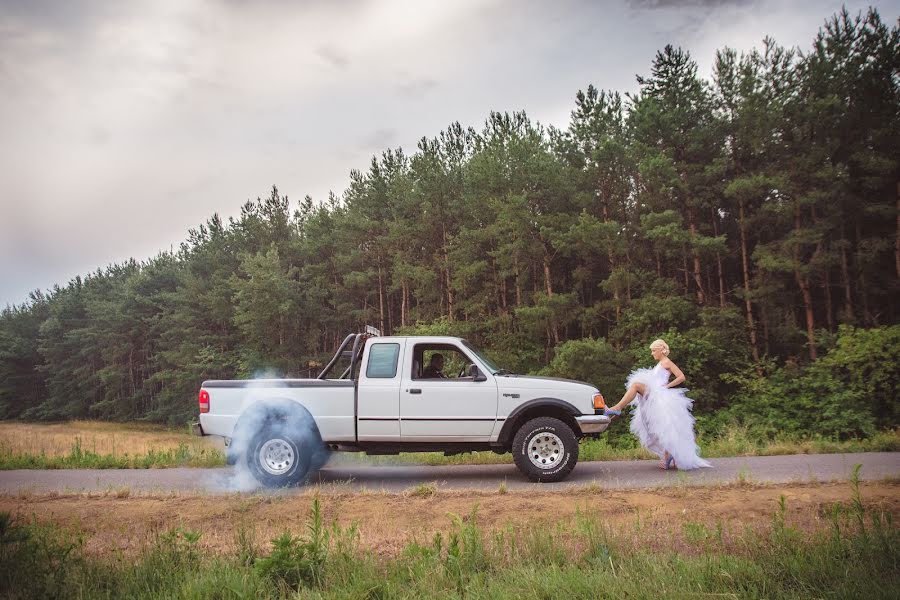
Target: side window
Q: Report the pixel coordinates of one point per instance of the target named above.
(383, 361)
(439, 361)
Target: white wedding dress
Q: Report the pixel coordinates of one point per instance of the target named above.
(662, 418)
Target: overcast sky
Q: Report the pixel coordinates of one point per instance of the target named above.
(123, 124)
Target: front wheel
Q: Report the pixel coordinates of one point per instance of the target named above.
(545, 449)
(278, 457)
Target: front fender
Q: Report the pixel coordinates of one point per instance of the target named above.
(551, 407)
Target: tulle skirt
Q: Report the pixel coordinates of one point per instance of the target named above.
(662, 420)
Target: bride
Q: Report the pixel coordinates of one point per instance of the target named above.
(662, 418)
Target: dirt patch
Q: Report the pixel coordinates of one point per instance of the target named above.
(124, 523)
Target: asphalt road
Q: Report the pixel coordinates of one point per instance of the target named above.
(803, 468)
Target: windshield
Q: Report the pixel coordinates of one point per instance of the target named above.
(494, 369)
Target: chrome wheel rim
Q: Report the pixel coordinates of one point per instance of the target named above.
(546, 450)
(276, 456)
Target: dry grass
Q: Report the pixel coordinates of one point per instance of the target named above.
(117, 521)
(102, 438)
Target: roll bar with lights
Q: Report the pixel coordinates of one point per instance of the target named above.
(355, 341)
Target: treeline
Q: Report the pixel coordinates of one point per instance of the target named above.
(752, 217)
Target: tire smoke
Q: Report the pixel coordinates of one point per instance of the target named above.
(276, 441)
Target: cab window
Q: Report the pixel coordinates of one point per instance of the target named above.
(383, 361)
(440, 362)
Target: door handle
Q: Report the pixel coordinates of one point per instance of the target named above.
(414, 391)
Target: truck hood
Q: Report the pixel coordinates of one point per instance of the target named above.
(532, 382)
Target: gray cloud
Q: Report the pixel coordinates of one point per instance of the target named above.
(669, 4)
(333, 56)
(380, 139)
(71, 19)
(98, 135)
(417, 87)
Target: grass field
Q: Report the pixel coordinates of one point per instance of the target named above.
(103, 445)
(99, 445)
(801, 541)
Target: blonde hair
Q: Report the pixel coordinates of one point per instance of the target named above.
(660, 344)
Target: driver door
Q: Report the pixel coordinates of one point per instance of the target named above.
(446, 409)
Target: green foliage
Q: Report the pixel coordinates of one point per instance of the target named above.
(865, 361)
(439, 326)
(36, 562)
(21, 383)
(266, 302)
(845, 394)
(296, 561)
(660, 309)
(593, 361)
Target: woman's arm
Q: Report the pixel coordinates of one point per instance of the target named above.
(673, 368)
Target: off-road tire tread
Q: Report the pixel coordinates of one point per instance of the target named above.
(520, 455)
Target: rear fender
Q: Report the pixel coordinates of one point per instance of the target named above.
(281, 412)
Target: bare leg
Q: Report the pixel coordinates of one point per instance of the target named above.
(635, 389)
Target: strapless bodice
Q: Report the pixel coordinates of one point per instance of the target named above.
(661, 374)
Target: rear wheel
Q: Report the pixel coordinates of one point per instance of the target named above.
(545, 449)
(278, 457)
(320, 457)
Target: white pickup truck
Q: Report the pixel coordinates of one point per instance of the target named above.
(401, 394)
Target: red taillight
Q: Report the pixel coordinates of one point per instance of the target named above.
(204, 401)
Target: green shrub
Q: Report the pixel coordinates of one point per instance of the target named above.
(591, 360)
(296, 561)
(36, 562)
(660, 309)
(792, 400)
(848, 393)
(866, 361)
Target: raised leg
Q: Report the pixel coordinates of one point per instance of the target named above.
(635, 389)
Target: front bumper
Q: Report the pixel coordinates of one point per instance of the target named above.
(593, 423)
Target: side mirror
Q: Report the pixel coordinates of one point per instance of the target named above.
(475, 373)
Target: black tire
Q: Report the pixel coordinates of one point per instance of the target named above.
(279, 456)
(556, 455)
(320, 457)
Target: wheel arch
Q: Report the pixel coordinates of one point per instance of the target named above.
(268, 412)
(539, 407)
